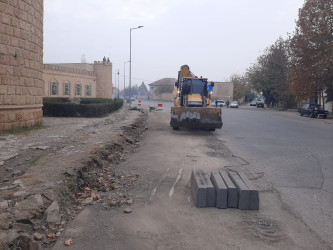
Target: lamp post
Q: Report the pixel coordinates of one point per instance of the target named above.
(118, 84)
(130, 61)
(124, 78)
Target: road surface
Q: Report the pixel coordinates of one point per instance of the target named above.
(287, 161)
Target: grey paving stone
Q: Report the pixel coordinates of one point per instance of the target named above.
(221, 189)
(203, 191)
(242, 189)
(232, 190)
(254, 194)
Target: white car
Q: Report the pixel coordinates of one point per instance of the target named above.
(219, 103)
(234, 104)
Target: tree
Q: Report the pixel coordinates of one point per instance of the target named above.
(311, 49)
(143, 89)
(160, 89)
(270, 75)
(241, 88)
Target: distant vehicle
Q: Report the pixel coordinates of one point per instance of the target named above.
(219, 103)
(260, 105)
(234, 104)
(253, 103)
(312, 110)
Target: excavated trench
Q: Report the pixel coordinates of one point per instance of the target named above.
(96, 176)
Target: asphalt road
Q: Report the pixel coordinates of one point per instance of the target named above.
(288, 157)
(294, 153)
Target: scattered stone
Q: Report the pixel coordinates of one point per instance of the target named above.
(54, 218)
(1, 163)
(53, 207)
(127, 210)
(87, 201)
(33, 202)
(22, 227)
(38, 236)
(4, 204)
(40, 147)
(53, 215)
(20, 183)
(129, 202)
(113, 203)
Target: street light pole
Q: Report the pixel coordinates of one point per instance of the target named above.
(118, 84)
(115, 81)
(124, 77)
(130, 61)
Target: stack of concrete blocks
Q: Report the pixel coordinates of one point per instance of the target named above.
(222, 189)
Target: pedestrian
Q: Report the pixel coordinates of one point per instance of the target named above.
(227, 104)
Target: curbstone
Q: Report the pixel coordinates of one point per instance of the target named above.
(203, 191)
(242, 189)
(232, 190)
(254, 194)
(221, 189)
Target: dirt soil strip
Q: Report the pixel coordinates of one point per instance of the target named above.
(47, 176)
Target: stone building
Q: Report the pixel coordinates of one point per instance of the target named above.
(21, 63)
(78, 80)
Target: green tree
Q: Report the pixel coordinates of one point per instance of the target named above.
(241, 88)
(270, 75)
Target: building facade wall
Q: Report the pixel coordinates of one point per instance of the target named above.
(103, 71)
(79, 77)
(223, 90)
(21, 63)
(62, 81)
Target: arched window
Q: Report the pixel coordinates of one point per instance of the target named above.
(54, 88)
(88, 90)
(67, 88)
(78, 89)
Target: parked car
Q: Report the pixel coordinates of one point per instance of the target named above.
(260, 105)
(234, 104)
(253, 103)
(219, 103)
(312, 110)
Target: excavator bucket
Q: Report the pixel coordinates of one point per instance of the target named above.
(196, 117)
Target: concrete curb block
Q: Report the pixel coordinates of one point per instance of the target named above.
(242, 189)
(203, 191)
(232, 190)
(254, 194)
(221, 189)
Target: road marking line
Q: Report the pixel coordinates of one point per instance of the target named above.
(159, 182)
(174, 184)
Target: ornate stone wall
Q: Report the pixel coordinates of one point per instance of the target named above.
(21, 63)
(80, 79)
(62, 81)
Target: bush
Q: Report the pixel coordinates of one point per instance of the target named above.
(88, 107)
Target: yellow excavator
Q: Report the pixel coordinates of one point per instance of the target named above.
(193, 104)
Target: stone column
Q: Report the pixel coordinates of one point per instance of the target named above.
(21, 63)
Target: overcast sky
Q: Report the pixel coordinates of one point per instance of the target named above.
(216, 38)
